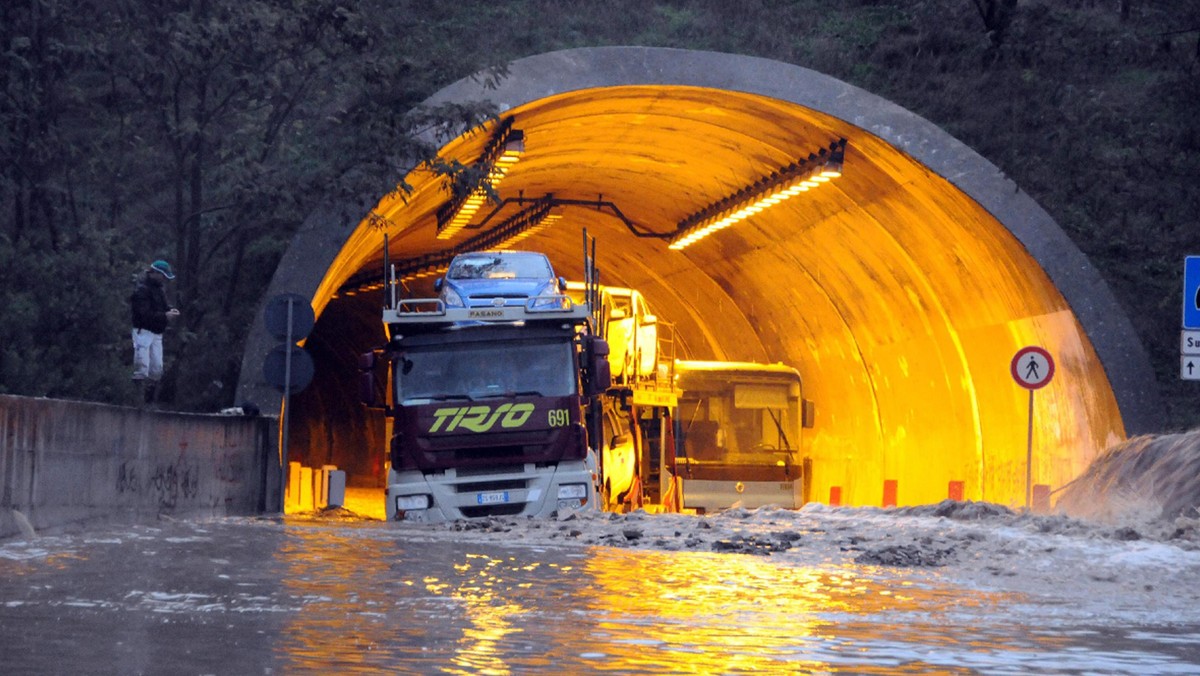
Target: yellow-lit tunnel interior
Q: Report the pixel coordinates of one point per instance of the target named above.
(897, 295)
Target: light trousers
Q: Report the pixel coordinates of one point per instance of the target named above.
(147, 355)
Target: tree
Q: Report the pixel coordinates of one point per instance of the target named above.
(202, 131)
(996, 15)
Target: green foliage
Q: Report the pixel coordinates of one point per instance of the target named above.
(202, 133)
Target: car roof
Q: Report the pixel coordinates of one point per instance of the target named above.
(503, 253)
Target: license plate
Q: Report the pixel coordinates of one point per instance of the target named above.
(493, 498)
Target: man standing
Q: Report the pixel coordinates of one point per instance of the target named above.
(151, 314)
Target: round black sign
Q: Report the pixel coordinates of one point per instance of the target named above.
(276, 316)
(275, 368)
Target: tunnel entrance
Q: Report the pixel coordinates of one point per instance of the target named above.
(899, 292)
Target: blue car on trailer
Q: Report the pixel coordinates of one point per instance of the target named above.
(498, 278)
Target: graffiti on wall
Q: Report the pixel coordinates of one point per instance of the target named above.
(166, 483)
(229, 467)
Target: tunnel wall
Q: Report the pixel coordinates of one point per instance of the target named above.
(1107, 326)
(954, 355)
(68, 464)
(321, 237)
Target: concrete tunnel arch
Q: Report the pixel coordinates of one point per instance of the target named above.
(901, 294)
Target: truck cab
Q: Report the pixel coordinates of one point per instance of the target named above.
(488, 409)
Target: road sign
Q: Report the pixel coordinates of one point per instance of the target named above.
(288, 373)
(1189, 367)
(1032, 367)
(1189, 342)
(1191, 292)
(276, 316)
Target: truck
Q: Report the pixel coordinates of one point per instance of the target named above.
(738, 427)
(490, 409)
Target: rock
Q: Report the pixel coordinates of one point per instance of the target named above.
(904, 555)
(752, 544)
(1126, 534)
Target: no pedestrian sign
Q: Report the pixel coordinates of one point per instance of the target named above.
(1032, 367)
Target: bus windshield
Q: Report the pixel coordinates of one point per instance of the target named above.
(474, 371)
(730, 426)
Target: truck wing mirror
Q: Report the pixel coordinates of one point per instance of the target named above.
(649, 319)
(437, 284)
(367, 361)
(599, 348)
(366, 388)
(600, 377)
(599, 371)
(367, 384)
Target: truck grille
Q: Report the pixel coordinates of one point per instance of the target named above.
(482, 486)
(484, 470)
(489, 453)
(493, 510)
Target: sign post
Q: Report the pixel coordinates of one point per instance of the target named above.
(288, 368)
(1032, 367)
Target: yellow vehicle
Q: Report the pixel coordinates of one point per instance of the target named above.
(738, 435)
(625, 321)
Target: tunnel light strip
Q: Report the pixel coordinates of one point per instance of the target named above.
(502, 152)
(531, 220)
(765, 193)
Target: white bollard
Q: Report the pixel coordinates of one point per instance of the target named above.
(337, 488)
(322, 496)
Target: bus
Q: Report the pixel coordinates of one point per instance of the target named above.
(738, 435)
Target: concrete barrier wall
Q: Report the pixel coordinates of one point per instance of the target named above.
(67, 463)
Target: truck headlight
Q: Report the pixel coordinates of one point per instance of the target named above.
(405, 503)
(572, 491)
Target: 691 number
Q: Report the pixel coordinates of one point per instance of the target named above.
(559, 417)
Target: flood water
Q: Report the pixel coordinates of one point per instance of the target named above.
(258, 596)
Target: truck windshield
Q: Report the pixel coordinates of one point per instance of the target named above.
(479, 371)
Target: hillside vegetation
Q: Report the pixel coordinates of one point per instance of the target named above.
(204, 131)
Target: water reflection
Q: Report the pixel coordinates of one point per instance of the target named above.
(373, 601)
(712, 613)
(309, 597)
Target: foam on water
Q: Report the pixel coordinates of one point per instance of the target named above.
(1146, 478)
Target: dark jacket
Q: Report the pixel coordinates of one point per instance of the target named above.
(149, 304)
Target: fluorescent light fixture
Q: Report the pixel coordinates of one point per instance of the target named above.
(538, 216)
(532, 219)
(501, 153)
(765, 193)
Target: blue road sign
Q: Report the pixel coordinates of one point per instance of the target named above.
(1191, 292)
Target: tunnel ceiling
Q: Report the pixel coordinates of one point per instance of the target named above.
(900, 290)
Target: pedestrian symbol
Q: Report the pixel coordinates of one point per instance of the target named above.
(1032, 367)
(1031, 371)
